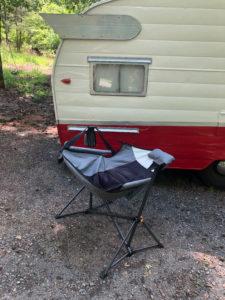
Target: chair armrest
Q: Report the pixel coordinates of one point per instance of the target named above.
(161, 157)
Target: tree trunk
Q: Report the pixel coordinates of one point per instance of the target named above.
(2, 83)
(17, 40)
(3, 16)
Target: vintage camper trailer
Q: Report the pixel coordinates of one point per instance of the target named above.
(149, 73)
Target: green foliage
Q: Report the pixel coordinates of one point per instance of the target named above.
(31, 80)
(14, 59)
(12, 13)
(39, 35)
(32, 84)
(28, 5)
(9, 78)
(24, 27)
(75, 6)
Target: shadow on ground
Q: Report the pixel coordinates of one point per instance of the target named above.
(44, 259)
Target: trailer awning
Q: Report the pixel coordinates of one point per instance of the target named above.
(93, 27)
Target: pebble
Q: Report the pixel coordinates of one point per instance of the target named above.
(82, 291)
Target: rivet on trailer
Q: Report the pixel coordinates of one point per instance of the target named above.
(148, 72)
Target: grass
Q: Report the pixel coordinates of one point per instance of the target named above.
(32, 84)
(16, 59)
(25, 72)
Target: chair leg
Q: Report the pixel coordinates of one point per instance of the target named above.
(127, 240)
(160, 245)
(90, 210)
(114, 262)
(126, 245)
(61, 215)
(91, 201)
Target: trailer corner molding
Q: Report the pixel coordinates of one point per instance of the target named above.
(94, 27)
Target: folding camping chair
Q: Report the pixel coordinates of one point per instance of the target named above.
(110, 178)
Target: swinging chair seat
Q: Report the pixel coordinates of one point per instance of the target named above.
(129, 168)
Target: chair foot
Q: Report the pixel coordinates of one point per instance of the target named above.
(103, 274)
(161, 245)
(57, 217)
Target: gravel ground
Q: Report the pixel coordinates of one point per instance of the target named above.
(44, 259)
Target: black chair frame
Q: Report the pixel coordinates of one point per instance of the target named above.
(127, 238)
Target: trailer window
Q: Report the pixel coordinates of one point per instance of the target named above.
(106, 78)
(126, 78)
(132, 79)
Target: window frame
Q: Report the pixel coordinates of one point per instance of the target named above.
(131, 61)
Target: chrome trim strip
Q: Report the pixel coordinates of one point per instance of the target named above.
(90, 150)
(118, 60)
(106, 129)
(137, 123)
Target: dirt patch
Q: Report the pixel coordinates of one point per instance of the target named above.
(29, 68)
(44, 259)
(21, 110)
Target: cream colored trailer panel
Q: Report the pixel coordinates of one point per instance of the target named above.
(167, 76)
(216, 4)
(186, 84)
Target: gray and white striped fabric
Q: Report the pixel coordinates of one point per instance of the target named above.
(126, 168)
